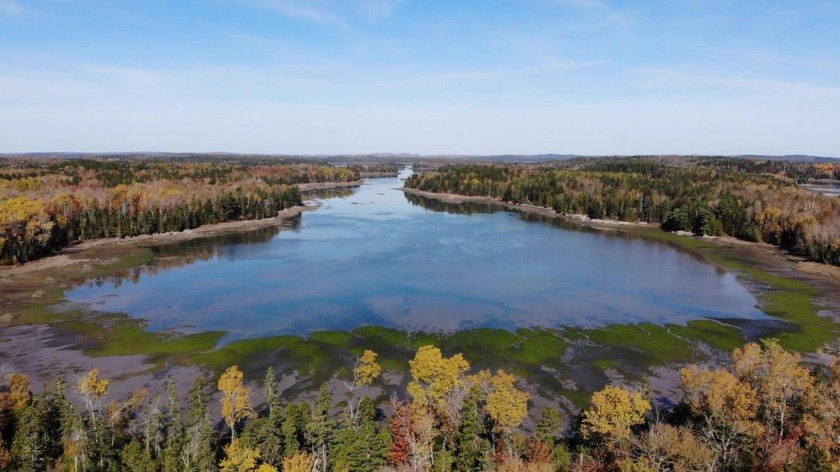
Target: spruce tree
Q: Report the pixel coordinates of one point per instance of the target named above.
(175, 430)
(199, 453)
(362, 447)
(548, 426)
(294, 424)
(321, 427)
(30, 442)
(473, 447)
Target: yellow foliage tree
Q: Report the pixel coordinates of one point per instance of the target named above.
(366, 371)
(300, 462)
(243, 459)
(777, 377)
(92, 389)
(19, 390)
(236, 401)
(434, 377)
(666, 447)
(613, 412)
(506, 405)
(728, 407)
(821, 420)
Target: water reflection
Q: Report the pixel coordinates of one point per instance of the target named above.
(466, 208)
(185, 253)
(373, 255)
(325, 194)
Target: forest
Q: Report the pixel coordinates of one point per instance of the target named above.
(382, 169)
(747, 199)
(765, 411)
(48, 203)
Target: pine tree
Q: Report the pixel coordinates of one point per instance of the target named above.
(473, 448)
(294, 424)
(320, 429)
(548, 426)
(30, 443)
(174, 425)
(135, 457)
(362, 447)
(199, 452)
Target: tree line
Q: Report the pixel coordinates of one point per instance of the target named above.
(731, 197)
(380, 169)
(46, 204)
(763, 411)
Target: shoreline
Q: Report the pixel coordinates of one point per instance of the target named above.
(59, 348)
(533, 209)
(62, 258)
(798, 264)
(328, 185)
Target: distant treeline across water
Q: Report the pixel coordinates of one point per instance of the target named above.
(46, 203)
(754, 200)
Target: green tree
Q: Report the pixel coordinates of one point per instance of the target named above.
(265, 433)
(363, 447)
(294, 428)
(548, 427)
(175, 430)
(321, 427)
(473, 448)
(199, 453)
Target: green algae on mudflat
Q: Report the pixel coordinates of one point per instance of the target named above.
(789, 299)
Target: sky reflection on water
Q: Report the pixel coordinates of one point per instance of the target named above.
(380, 257)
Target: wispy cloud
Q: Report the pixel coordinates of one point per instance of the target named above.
(675, 77)
(303, 10)
(597, 4)
(10, 7)
(378, 9)
(556, 64)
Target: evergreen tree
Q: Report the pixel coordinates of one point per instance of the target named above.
(321, 427)
(265, 433)
(548, 426)
(199, 452)
(363, 447)
(31, 439)
(135, 457)
(293, 429)
(175, 430)
(473, 447)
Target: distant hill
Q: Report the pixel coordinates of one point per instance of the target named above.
(383, 156)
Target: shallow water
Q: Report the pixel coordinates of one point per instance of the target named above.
(376, 256)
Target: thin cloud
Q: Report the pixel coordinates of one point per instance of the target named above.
(378, 9)
(10, 7)
(300, 10)
(676, 77)
(558, 64)
(596, 4)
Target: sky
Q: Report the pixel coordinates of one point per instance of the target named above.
(588, 77)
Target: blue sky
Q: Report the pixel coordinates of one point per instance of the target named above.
(422, 76)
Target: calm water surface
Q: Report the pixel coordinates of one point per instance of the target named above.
(376, 256)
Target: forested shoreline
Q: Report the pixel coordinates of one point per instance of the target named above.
(746, 199)
(764, 411)
(46, 204)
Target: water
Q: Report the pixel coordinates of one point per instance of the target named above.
(829, 189)
(376, 256)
